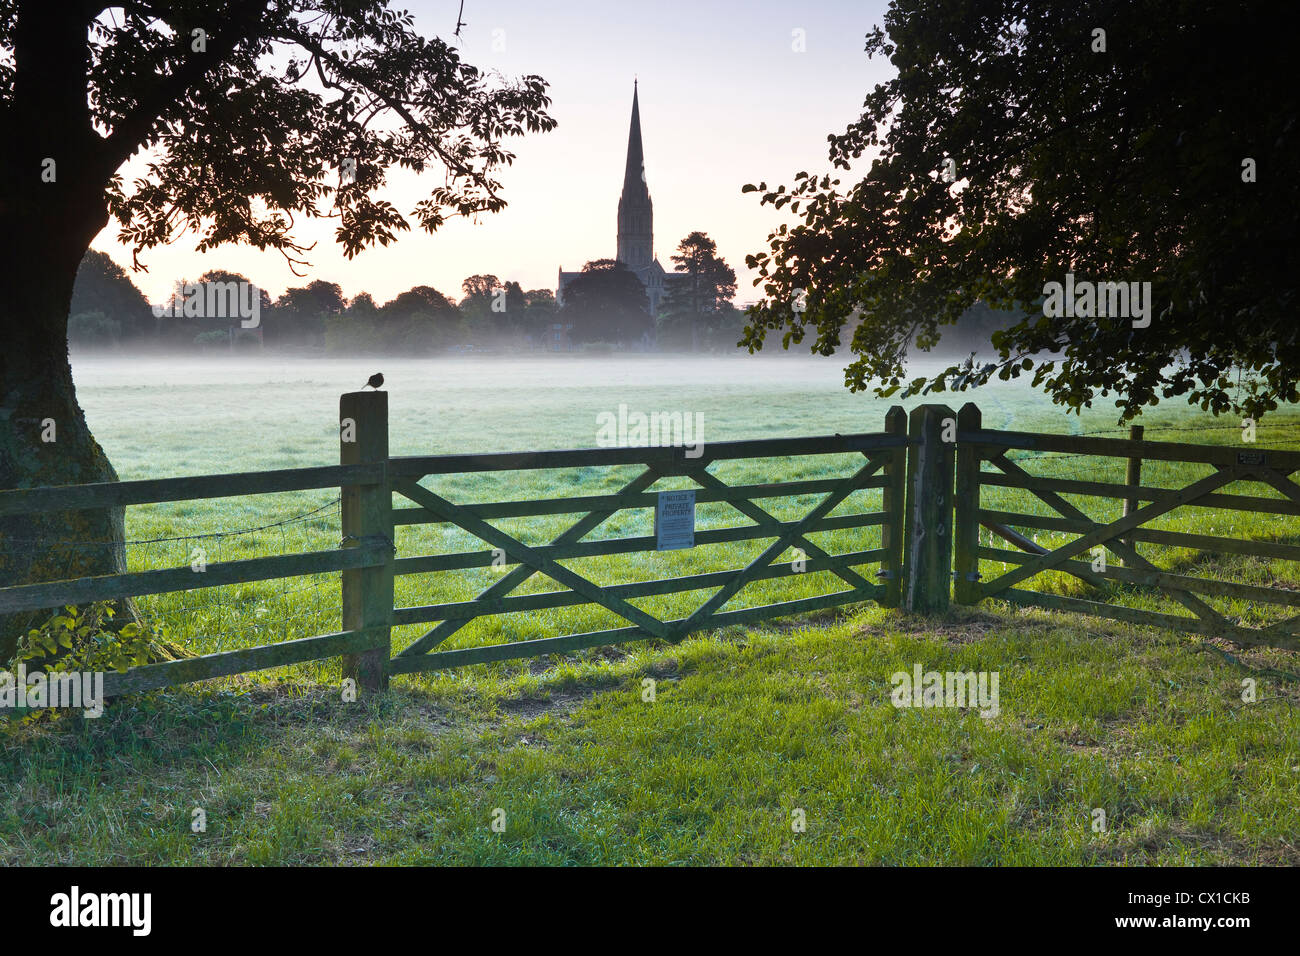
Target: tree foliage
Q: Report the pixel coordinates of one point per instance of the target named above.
(606, 303)
(103, 287)
(300, 314)
(1115, 157)
(707, 281)
(697, 309)
(257, 112)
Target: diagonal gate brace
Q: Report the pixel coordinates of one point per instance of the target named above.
(1104, 534)
(699, 619)
(766, 520)
(525, 555)
(516, 577)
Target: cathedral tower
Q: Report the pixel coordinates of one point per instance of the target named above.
(635, 213)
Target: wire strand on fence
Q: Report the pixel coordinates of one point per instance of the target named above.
(219, 617)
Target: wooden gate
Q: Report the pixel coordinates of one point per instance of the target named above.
(884, 468)
(1117, 539)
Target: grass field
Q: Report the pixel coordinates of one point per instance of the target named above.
(748, 725)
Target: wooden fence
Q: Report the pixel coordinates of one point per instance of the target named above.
(929, 468)
(369, 477)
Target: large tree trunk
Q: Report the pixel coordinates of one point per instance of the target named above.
(45, 229)
(43, 435)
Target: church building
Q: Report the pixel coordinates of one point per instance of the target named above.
(635, 224)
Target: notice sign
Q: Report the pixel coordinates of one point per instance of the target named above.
(675, 520)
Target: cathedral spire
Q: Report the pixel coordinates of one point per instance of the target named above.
(635, 212)
(634, 174)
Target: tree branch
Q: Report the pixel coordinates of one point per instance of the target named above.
(134, 130)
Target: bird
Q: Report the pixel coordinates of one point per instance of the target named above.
(375, 380)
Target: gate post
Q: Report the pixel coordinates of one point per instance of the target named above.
(367, 519)
(929, 507)
(1133, 476)
(895, 493)
(966, 507)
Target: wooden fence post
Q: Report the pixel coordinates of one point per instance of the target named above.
(932, 433)
(895, 494)
(1133, 476)
(367, 518)
(966, 506)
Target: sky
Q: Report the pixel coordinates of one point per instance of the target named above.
(726, 99)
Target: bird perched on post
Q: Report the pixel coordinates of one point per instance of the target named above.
(375, 380)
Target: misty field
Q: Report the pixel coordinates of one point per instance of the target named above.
(750, 724)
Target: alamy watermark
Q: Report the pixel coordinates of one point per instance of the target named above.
(74, 690)
(629, 429)
(946, 689)
(77, 909)
(1086, 300)
(215, 300)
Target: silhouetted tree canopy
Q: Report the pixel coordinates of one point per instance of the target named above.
(300, 314)
(606, 303)
(708, 281)
(422, 298)
(1130, 163)
(539, 311)
(103, 287)
(698, 294)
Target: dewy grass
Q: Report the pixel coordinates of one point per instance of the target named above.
(749, 729)
(745, 729)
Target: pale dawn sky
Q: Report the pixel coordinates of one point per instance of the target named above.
(726, 99)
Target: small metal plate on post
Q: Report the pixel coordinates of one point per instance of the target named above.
(675, 520)
(1252, 458)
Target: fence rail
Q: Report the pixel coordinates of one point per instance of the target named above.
(930, 468)
(116, 494)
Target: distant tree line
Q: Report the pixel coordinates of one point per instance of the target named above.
(606, 306)
(109, 311)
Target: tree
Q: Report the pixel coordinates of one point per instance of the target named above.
(93, 329)
(539, 311)
(1132, 142)
(724, 329)
(253, 113)
(422, 298)
(480, 286)
(701, 286)
(514, 303)
(420, 320)
(300, 314)
(708, 281)
(195, 309)
(476, 306)
(606, 303)
(103, 286)
(354, 331)
(362, 305)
